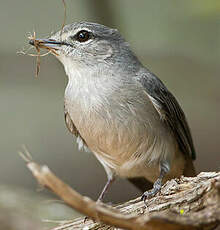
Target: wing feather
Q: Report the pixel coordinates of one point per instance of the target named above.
(170, 111)
(72, 128)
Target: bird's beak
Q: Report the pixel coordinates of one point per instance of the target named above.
(47, 43)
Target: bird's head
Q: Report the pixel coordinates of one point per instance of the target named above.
(86, 43)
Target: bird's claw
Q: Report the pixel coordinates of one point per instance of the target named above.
(151, 193)
(148, 195)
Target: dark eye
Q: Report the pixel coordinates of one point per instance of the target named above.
(83, 36)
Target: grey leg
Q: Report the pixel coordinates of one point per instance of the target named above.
(105, 189)
(164, 169)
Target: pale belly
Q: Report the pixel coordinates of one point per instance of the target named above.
(129, 147)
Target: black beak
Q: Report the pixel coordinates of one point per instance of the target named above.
(47, 43)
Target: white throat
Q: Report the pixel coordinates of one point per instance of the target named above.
(86, 86)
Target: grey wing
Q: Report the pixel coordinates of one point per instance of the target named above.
(173, 115)
(72, 128)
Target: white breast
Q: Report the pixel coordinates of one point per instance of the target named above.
(122, 131)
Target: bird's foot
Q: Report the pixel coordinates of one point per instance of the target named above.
(151, 193)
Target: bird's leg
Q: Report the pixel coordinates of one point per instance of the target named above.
(164, 169)
(105, 189)
(111, 178)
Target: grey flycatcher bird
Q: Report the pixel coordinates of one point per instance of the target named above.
(119, 110)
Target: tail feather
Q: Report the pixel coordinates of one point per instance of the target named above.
(141, 183)
(189, 169)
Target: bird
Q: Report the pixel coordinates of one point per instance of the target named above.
(119, 110)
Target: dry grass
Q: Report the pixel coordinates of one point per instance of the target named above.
(38, 44)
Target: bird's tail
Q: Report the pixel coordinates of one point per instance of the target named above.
(141, 183)
(189, 170)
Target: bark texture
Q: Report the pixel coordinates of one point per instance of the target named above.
(185, 203)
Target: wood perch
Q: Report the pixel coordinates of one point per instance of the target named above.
(185, 203)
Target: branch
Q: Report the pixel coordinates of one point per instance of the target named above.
(185, 203)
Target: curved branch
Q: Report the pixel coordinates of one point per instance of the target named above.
(185, 203)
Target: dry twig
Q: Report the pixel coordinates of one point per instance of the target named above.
(186, 203)
(64, 18)
(38, 44)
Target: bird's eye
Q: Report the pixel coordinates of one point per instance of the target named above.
(83, 36)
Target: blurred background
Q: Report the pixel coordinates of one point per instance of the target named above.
(177, 40)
